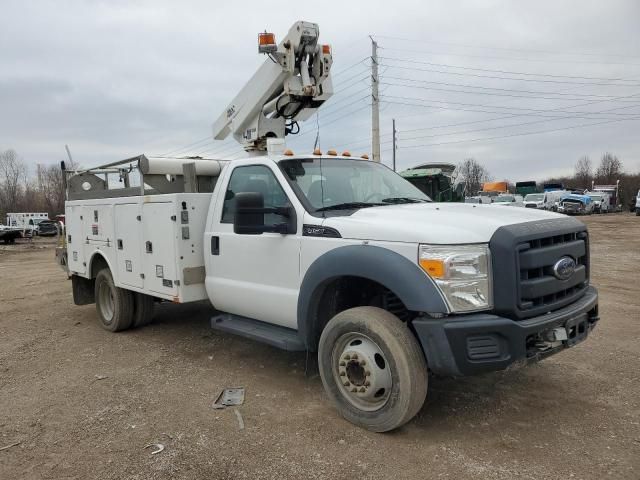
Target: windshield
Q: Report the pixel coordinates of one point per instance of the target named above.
(504, 199)
(339, 184)
(534, 197)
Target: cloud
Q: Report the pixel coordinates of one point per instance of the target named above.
(117, 78)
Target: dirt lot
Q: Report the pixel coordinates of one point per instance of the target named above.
(83, 403)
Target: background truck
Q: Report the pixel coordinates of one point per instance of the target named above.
(601, 202)
(613, 191)
(440, 181)
(328, 254)
(525, 188)
(576, 204)
(541, 201)
(26, 222)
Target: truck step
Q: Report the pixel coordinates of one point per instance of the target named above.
(274, 335)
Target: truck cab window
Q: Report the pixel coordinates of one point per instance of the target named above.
(254, 178)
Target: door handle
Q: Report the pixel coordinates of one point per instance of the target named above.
(215, 245)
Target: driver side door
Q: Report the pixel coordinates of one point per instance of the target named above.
(256, 276)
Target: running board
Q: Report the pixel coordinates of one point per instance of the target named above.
(274, 335)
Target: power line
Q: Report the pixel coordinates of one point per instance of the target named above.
(507, 48)
(571, 79)
(531, 97)
(340, 72)
(175, 150)
(535, 92)
(522, 109)
(332, 121)
(523, 134)
(568, 117)
(485, 57)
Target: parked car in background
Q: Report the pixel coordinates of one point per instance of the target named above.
(638, 203)
(553, 198)
(574, 204)
(478, 199)
(47, 228)
(601, 201)
(537, 200)
(509, 200)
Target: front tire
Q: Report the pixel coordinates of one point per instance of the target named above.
(114, 305)
(372, 368)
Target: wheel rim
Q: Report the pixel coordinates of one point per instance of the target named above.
(105, 299)
(361, 371)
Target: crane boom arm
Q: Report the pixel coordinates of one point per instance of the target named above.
(289, 86)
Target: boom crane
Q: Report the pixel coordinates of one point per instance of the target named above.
(289, 87)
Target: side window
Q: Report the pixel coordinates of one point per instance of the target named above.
(254, 178)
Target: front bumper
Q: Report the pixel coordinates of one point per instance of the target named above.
(476, 343)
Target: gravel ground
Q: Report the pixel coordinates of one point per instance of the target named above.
(83, 403)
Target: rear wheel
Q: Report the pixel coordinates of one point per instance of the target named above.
(142, 310)
(372, 368)
(114, 305)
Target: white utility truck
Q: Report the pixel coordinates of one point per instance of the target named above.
(27, 222)
(329, 254)
(601, 202)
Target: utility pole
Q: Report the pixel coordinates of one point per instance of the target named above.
(375, 100)
(394, 144)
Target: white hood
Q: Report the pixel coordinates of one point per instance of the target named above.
(436, 223)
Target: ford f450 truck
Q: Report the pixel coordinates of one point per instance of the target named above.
(328, 254)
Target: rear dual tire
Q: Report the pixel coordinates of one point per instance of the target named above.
(372, 368)
(114, 304)
(118, 308)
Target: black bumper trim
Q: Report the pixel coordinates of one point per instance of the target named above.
(476, 343)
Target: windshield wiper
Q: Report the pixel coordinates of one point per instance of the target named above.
(404, 200)
(348, 206)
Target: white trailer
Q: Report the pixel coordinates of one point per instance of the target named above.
(27, 222)
(329, 254)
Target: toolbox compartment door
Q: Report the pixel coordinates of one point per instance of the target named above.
(158, 248)
(128, 244)
(75, 240)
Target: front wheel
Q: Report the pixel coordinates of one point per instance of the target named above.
(114, 305)
(372, 368)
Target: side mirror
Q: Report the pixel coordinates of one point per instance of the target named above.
(249, 216)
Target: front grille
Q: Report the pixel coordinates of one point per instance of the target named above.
(531, 205)
(523, 256)
(538, 286)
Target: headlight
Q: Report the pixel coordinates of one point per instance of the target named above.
(461, 272)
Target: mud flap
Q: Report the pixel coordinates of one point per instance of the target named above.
(83, 290)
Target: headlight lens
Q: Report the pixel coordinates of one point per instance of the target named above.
(461, 272)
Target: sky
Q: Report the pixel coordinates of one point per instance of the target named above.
(525, 88)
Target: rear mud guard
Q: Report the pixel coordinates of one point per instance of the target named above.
(83, 290)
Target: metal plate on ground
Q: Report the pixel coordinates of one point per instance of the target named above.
(230, 397)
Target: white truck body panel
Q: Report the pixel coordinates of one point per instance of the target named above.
(152, 244)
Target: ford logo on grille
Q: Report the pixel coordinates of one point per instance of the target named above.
(564, 268)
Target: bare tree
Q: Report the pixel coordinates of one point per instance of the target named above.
(474, 175)
(609, 170)
(583, 172)
(13, 174)
(51, 187)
